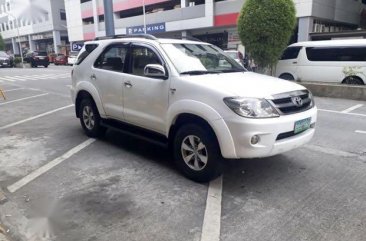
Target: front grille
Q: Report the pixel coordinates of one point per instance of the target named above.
(285, 105)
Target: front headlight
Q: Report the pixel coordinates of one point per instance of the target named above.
(251, 107)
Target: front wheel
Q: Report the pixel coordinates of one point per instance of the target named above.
(353, 80)
(287, 77)
(90, 119)
(197, 153)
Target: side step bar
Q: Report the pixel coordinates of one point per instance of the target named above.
(137, 132)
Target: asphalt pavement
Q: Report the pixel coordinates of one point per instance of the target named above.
(60, 185)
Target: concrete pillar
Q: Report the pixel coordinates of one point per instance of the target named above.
(15, 46)
(209, 11)
(183, 3)
(32, 44)
(56, 41)
(306, 25)
(185, 34)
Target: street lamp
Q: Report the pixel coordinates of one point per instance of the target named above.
(20, 45)
(143, 9)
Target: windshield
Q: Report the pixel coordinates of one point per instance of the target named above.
(73, 54)
(200, 59)
(3, 54)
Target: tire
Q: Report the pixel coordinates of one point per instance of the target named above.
(289, 77)
(90, 119)
(353, 80)
(197, 153)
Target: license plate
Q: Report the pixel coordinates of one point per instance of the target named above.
(41, 57)
(302, 125)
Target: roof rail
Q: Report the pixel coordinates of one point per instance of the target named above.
(146, 36)
(191, 38)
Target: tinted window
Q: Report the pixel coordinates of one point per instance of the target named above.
(291, 53)
(3, 54)
(336, 53)
(41, 53)
(85, 53)
(140, 57)
(113, 58)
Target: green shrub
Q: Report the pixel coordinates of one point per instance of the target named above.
(265, 28)
(2, 44)
(17, 60)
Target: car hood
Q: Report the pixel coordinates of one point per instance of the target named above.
(4, 58)
(245, 84)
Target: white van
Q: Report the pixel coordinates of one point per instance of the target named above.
(337, 61)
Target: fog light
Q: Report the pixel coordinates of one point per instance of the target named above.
(255, 139)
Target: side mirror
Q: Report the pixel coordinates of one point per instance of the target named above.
(154, 71)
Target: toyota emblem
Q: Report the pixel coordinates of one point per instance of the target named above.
(297, 101)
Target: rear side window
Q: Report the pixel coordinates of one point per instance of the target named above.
(85, 52)
(346, 54)
(291, 53)
(113, 58)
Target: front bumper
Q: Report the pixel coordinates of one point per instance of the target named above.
(243, 129)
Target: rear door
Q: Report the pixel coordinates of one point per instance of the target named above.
(108, 75)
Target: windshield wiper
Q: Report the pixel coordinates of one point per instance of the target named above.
(233, 70)
(199, 72)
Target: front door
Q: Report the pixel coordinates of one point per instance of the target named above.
(145, 99)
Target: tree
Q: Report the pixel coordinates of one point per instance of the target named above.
(2, 44)
(265, 28)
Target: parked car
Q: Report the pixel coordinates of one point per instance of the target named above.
(72, 58)
(338, 61)
(37, 58)
(6, 60)
(236, 55)
(61, 59)
(177, 94)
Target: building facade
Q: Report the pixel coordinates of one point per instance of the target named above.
(213, 21)
(33, 25)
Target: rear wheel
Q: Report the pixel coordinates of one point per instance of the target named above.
(197, 153)
(287, 77)
(90, 119)
(353, 80)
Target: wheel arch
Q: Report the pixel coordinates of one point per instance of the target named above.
(86, 90)
(354, 76)
(188, 111)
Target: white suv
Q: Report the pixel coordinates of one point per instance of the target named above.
(191, 97)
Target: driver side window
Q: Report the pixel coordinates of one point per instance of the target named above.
(112, 59)
(140, 57)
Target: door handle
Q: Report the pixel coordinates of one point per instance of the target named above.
(295, 62)
(93, 77)
(128, 84)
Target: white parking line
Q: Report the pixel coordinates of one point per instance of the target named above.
(360, 132)
(212, 219)
(352, 108)
(33, 175)
(13, 89)
(339, 112)
(34, 117)
(26, 98)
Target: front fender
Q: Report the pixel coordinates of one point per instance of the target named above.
(212, 117)
(88, 87)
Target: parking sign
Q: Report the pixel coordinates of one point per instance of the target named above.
(76, 46)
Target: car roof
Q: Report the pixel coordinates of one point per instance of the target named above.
(327, 43)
